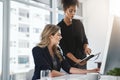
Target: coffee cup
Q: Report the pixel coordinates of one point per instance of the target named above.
(93, 76)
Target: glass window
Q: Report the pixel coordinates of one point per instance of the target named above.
(59, 5)
(1, 29)
(44, 3)
(80, 10)
(60, 17)
(26, 25)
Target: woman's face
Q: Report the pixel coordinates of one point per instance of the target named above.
(55, 39)
(70, 12)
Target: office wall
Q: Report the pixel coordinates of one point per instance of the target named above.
(97, 13)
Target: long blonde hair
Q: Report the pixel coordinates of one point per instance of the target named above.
(49, 30)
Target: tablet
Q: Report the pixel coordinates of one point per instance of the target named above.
(89, 57)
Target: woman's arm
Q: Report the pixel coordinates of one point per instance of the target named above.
(82, 71)
(73, 70)
(73, 58)
(77, 61)
(55, 73)
(86, 49)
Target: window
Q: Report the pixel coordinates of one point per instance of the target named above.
(60, 17)
(44, 3)
(27, 23)
(23, 44)
(24, 28)
(80, 10)
(23, 59)
(1, 29)
(23, 12)
(59, 5)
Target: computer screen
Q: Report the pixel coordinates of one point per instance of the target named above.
(111, 56)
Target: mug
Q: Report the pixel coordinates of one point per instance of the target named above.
(93, 76)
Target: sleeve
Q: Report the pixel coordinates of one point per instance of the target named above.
(39, 59)
(65, 66)
(85, 40)
(62, 43)
(63, 47)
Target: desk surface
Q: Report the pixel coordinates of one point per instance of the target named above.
(71, 77)
(82, 77)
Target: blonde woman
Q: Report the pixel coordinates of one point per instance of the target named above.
(47, 55)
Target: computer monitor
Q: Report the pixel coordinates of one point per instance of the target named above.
(111, 56)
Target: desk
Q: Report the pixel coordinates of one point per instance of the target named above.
(83, 77)
(71, 77)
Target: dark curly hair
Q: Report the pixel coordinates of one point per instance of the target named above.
(67, 3)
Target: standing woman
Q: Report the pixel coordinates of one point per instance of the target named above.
(74, 42)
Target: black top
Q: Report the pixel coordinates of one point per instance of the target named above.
(73, 39)
(44, 61)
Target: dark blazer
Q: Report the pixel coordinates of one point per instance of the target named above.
(43, 61)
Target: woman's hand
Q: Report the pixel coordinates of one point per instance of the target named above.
(81, 62)
(87, 50)
(83, 71)
(55, 73)
(95, 70)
